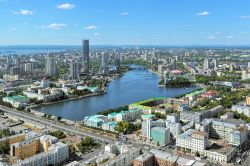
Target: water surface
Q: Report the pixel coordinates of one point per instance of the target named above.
(134, 86)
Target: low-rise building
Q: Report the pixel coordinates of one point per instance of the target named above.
(192, 141)
(160, 158)
(56, 154)
(45, 95)
(220, 153)
(110, 126)
(238, 136)
(17, 101)
(95, 120)
(117, 154)
(228, 115)
(91, 89)
(26, 148)
(130, 115)
(242, 109)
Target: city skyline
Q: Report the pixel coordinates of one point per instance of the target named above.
(125, 22)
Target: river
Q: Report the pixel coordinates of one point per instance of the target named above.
(135, 85)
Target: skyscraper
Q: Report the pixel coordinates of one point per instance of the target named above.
(85, 58)
(104, 62)
(105, 57)
(206, 64)
(117, 61)
(50, 65)
(215, 62)
(74, 70)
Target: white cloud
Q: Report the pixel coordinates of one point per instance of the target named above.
(97, 34)
(56, 26)
(65, 6)
(245, 17)
(124, 14)
(230, 37)
(204, 13)
(24, 12)
(211, 37)
(91, 27)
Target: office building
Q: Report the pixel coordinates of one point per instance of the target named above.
(148, 124)
(117, 61)
(220, 153)
(147, 159)
(25, 149)
(57, 153)
(160, 158)
(192, 141)
(50, 65)
(118, 154)
(85, 58)
(238, 136)
(160, 135)
(222, 128)
(28, 67)
(206, 64)
(215, 63)
(14, 70)
(74, 70)
(104, 59)
(104, 62)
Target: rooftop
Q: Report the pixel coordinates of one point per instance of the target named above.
(18, 97)
(164, 155)
(221, 148)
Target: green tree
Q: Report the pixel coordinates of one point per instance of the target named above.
(125, 127)
(58, 134)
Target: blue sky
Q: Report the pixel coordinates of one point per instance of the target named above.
(121, 22)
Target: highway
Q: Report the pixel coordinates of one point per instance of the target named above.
(55, 125)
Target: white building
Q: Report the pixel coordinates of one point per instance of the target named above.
(224, 154)
(44, 95)
(192, 141)
(126, 159)
(238, 136)
(17, 101)
(199, 141)
(241, 109)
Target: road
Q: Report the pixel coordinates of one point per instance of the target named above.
(246, 162)
(55, 125)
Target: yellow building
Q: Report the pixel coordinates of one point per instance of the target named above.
(248, 100)
(16, 138)
(25, 149)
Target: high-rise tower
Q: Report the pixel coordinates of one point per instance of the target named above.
(85, 58)
(74, 70)
(50, 65)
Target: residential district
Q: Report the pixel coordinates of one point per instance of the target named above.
(208, 126)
